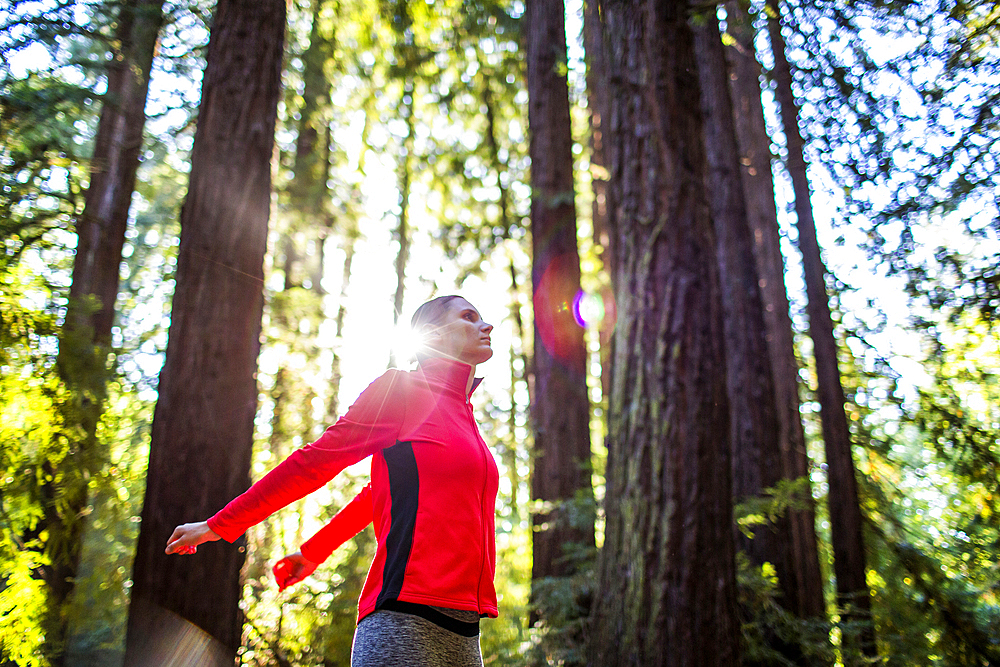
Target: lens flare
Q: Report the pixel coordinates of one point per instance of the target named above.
(554, 309)
(588, 309)
(406, 344)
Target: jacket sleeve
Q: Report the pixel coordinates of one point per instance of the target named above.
(371, 424)
(348, 522)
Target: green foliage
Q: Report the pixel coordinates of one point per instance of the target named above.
(65, 490)
(930, 492)
(787, 494)
(28, 423)
(35, 448)
(767, 627)
(504, 640)
(97, 611)
(562, 605)
(40, 163)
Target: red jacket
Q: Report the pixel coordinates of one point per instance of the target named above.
(348, 522)
(434, 486)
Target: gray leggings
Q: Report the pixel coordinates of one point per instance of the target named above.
(393, 639)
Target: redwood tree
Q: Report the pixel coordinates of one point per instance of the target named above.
(203, 423)
(85, 341)
(666, 587)
(561, 410)
(758, 189)
(842, 499)
(756, 462)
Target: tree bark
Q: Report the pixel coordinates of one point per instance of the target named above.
(597, 103)
(842, 500)
(203, 423)
(666, 584)
(117, 145)
(758, 188)
(756, 462)
(85, 342)
(561, 409)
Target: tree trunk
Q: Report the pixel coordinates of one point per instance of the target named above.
(402, 233)
(309, 193)
(756, 452)
(333, 404)
(203, 423)
(561, 409)
(309, 200)
(507, 222)
(666, 585)
(597, 103)
(758, 187)
(842, 500)
(101, 227)
(85, 342)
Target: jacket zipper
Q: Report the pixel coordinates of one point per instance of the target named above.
(482, 510)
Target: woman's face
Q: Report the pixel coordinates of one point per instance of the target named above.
(461, 334)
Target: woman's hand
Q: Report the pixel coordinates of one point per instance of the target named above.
(292, 569)
(186, 538)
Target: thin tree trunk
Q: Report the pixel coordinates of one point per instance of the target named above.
(506, 223)
(510, 458)
(843, 504)
(117, 145)
(85, 342)
(402, 233)
(561, 408)
(756, 462)
(309, 191)
(666, 585)
(333, 404)
(186, 609)
(758, 187)
(597, 103)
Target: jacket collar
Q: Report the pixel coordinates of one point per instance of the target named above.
(452, 374)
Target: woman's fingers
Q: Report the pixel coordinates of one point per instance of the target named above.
(176, 541)
(186, 537)
(174, 538)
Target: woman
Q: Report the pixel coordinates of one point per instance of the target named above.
(433, 490)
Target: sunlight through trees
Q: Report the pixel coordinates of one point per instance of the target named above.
(741, 260)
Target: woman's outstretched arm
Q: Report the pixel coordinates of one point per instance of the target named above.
(347, 523)
(371, 424)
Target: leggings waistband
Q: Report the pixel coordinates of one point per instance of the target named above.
(463, 628)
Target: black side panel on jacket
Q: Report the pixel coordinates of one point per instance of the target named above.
(404, 487)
